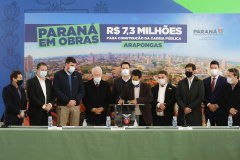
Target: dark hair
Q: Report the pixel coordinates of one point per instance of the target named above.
(137, 72)
(191, 65)
(70, 59)
(15, 74)
(214, 62)
(41, 64)
(125, 63)
(235, 72)
(163, 72)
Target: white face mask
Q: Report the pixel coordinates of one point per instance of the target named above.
(71, 69)
(97, 79)
(161, 81)
(214, 72)
(135, 83)
(125, 72)
(43, 74)
(229, 80)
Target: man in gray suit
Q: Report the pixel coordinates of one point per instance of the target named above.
(190, 95)
(119, 84)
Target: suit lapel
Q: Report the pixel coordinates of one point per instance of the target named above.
(132, 91)
(38, 85)
(167, 92)
(193, 84)
(218, 83)
(156, 91)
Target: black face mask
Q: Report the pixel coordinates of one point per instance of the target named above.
(188, 74)
(19, 82)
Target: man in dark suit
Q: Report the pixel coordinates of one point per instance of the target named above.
(69, 90)
(119, 84)
(213, 87)
(14, 99)
(164, 98)
(96, 99)
(190, 95)
(41, 98)
(138, 93)
(229, 100)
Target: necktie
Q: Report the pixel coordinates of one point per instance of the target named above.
(97, 84)
(136, 86)
(19, 92)
(162, 85)
(213, 83)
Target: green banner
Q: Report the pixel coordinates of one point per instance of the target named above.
(68, 35)
(142, 44)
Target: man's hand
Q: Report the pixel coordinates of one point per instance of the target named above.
(161, 107)
(134, 101)
(97, 110)
(21, 115)
(71, 103)
(233, 111)
(213, 107)
(47, 108)
(100, 110)
(94, 110)
(187, 110)
(121, 101)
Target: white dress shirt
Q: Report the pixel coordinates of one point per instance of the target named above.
(43, 86)
(136, 95)
(190, 82)
(161, 98)
(127, 79)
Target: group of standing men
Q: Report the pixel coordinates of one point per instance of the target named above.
(218, 94)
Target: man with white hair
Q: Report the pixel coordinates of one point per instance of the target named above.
(97, 98)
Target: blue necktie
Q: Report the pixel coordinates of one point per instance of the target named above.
(70, 82)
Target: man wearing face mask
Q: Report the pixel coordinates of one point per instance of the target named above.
(190, 95)
(14, 99)
(213, 87)
(69, 90)
(138, 93)
(119, 84)
(164, 98)
(41, 98)
(96, 99)
(229, 99)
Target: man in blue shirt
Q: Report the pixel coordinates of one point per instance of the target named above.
(69, 90)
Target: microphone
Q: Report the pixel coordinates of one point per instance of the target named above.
(185, 122)
(59, 118)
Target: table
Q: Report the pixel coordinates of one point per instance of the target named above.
(89, 143)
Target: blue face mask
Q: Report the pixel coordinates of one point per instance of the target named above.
(43, 74)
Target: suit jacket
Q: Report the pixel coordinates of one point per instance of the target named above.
(213, 97)
(62, 88)
(37, 98)
(96, 97)
(145, 97)
(170, 100)
(230, 99)
(13, 103)
(117, 89)
(193, 99)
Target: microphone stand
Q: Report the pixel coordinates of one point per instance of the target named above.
(185, 122)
